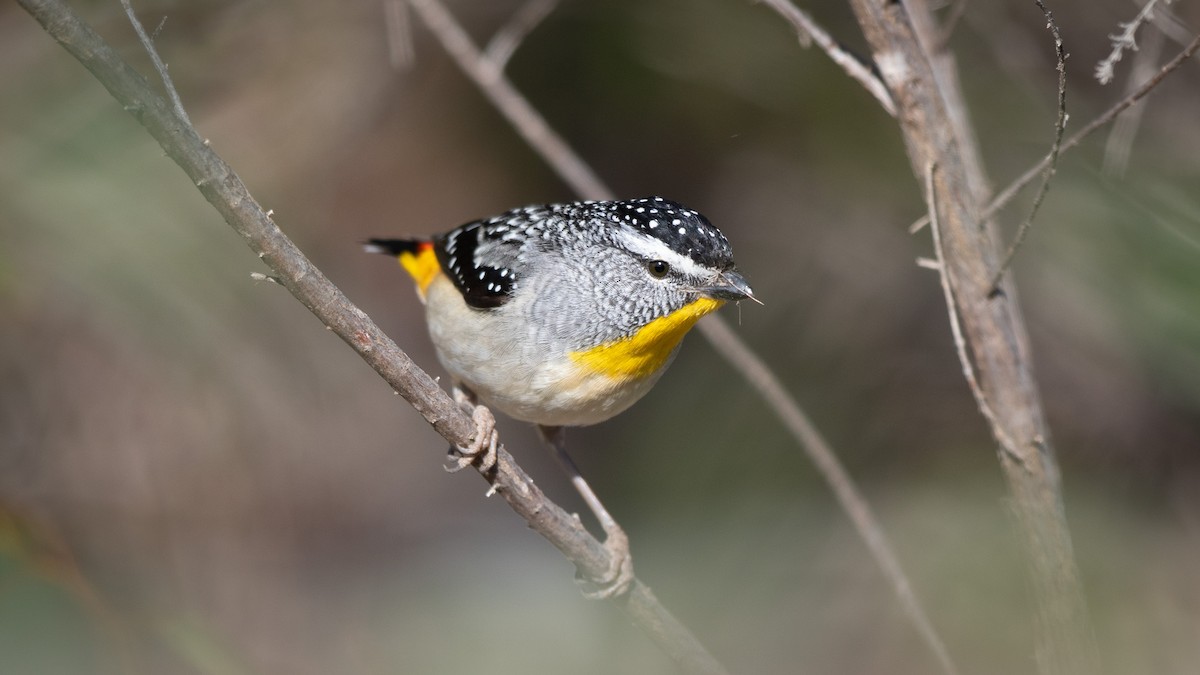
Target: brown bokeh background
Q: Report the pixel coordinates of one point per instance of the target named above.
(196, 477)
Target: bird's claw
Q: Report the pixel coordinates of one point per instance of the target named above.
(618, 578)
(482, 450)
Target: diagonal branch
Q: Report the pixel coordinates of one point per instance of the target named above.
(810, 30)
(228, 194)
(570, 167)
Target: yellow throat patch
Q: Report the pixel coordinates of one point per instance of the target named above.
(422, 266)
(647, 350)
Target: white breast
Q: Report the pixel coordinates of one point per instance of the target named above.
(498, 355)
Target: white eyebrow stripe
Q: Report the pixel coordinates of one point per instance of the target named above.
(654, 249)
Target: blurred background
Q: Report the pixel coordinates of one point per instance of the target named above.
(196, 477)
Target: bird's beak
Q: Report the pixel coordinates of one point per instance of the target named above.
(730, 285)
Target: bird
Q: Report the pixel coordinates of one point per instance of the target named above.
(565, 315)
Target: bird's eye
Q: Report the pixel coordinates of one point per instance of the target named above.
(658, 268)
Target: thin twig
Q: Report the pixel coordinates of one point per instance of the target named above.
(1060, 123)
(960, 343)
(506, 40)
(159, 64)
(259, 276)
(808, 29)
(228, 194)
(158, 29)
(563, 159)
(1008, 193)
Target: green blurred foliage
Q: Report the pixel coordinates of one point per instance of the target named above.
(199, 479)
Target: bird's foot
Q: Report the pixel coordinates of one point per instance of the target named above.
(482, 450)
(619, 578)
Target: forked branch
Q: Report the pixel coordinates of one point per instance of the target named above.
(993, 343)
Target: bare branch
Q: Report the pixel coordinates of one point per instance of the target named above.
(810, 31)
(1008, 193)
(992, 330)
(960, 344)
(228, 194)
(942, 62)
(159, 64)
(1060, 123)
(531, 126)
(506, 40)
(158, 29)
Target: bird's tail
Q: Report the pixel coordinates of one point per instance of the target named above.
(416, 256)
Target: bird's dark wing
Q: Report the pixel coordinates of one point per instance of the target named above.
(482, 264)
